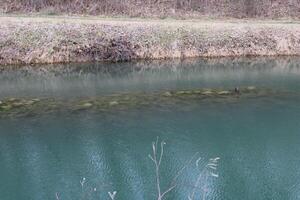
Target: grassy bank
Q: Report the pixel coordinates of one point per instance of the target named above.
(61, 40)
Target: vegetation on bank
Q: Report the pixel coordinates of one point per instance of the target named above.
(158, 8)
(63, 40)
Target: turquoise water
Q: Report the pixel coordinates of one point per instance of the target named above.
(257, 139)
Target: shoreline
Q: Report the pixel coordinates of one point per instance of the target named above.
(50, 40)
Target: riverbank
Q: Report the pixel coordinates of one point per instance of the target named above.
(32, 40)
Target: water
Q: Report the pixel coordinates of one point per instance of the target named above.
(257, 139)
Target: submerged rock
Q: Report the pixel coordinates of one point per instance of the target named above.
(197, 92)
(208, 92)
(167, 94)
(17, 104)
(87, 105)
(35, 100)
(6, 107)
(30, 102)
(113, 103)
(20, 107)
(11, 99)
(251, 88)
(180, 92)
(224, 93)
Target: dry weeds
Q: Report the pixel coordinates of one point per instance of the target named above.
(62, 40)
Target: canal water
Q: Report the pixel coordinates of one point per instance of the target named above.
(242, 148)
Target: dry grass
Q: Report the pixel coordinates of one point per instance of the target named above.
(61, 40)
(158, 8)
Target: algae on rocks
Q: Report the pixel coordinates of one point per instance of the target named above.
(34, 106)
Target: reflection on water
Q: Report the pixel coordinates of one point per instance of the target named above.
(97, 79)
(257, 139)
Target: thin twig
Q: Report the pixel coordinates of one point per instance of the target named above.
(157, 162)
(57, 196)
(196, 186)
(185, 166)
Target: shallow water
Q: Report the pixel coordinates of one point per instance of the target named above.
(257, 138)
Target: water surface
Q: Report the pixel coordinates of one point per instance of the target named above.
(257, 138)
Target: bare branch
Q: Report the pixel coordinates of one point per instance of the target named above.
(196, 186)
(211, 165)
(161, 151)
(57, 196)
(185, 166)
(168, 190)
(157, 162)
(157, 166)
(151, 158)
(112, 195)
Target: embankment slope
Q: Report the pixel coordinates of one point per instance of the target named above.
(26, 40)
